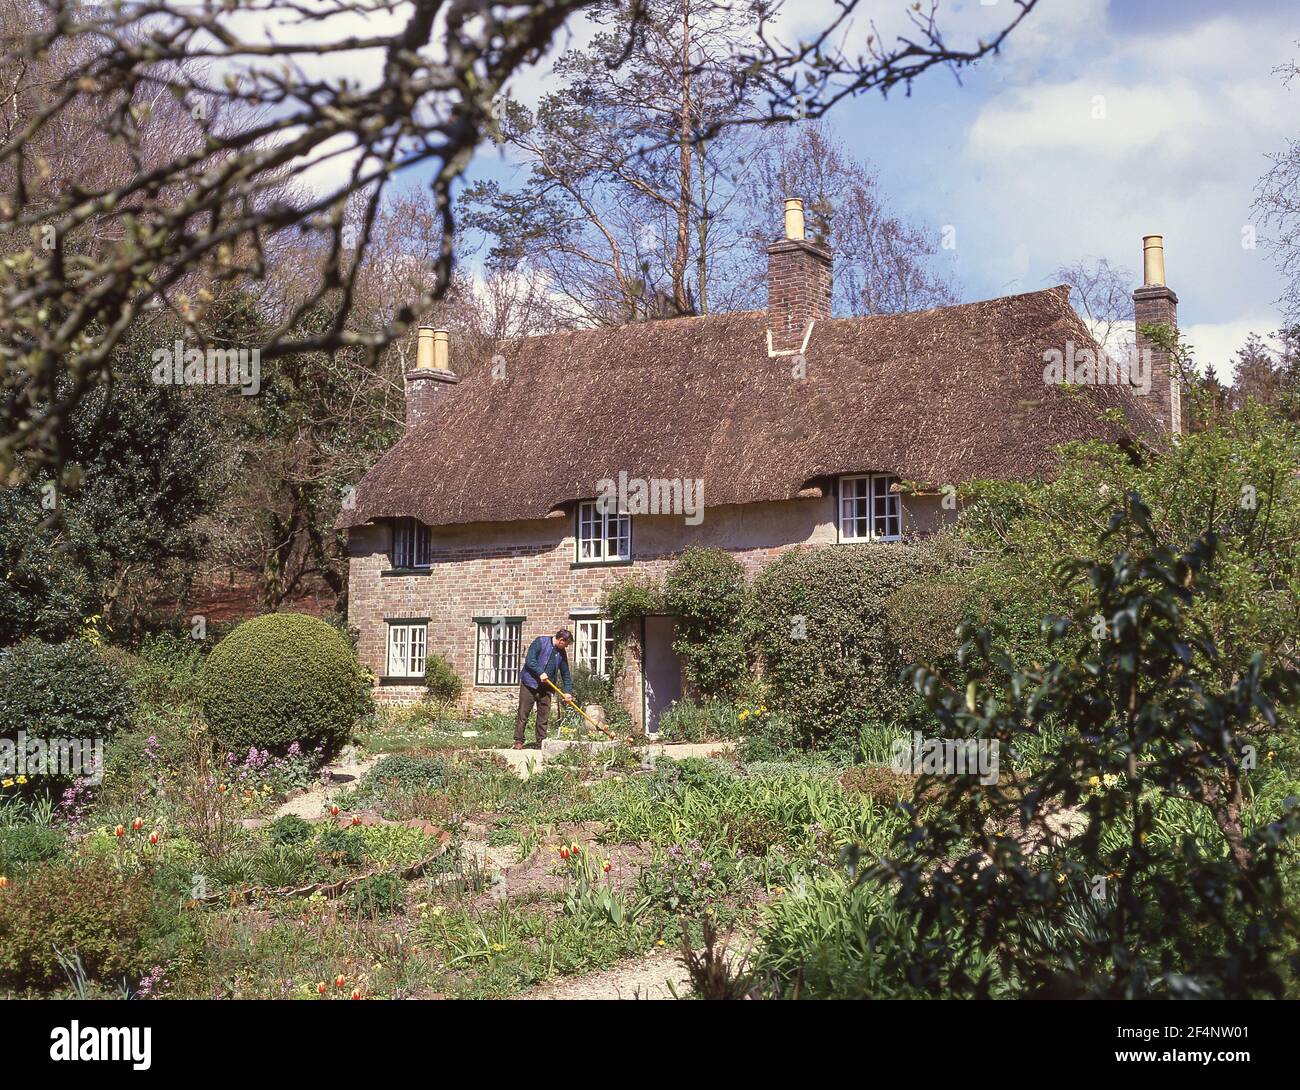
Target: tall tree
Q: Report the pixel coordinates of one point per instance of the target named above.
(1277, 204)
(883, 263)
(627, 165)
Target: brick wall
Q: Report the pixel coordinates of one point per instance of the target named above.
(526, 569)
(798, 289)
(1158, 305)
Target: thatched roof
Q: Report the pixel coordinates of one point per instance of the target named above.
(940, 396)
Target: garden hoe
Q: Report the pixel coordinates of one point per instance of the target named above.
(569, 700)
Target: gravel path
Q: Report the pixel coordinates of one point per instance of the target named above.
(644, 978)
(311, 804)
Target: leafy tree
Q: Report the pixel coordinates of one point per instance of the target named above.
(1138, 741)
(884, 264)
(1235, 476)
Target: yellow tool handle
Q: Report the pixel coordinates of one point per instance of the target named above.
(568, 699)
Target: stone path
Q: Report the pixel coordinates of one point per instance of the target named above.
(643, 978)
(525, 762)
(311, 803)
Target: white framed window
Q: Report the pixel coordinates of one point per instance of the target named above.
(407, 642)
(593, 644)
(869, 508)
(497, 660)
(604, 537)
(412, 544)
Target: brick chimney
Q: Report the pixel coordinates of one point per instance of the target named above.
(798, 283)
(432, 378)
(1155, 304)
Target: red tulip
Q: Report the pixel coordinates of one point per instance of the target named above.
(334, 810)
(137, 824)
(119, 831)
(575, 849)
(153, 838)
(3, 881)
(356, 993)
(605, 868)
(356, 819)
(564, 853)
(339, 981)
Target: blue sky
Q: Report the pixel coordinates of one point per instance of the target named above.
(1101, 121)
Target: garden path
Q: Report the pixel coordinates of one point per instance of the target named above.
(311, 803)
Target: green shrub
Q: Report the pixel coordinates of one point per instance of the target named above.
(378, 895)
(290, 829)
(705, 592)
(280, 679)
(821, 631)
(86, 909)
(167, 669)
(441, 682)
(341, 847)
(398, 774)
(922, 619)
(22, 846)
(62, 690)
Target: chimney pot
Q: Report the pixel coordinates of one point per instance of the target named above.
(431, 349)
(1153, 260)
(432, 377)
(1154, 303)
(794, 219)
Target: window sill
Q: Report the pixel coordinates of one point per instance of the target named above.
(398, 572)
(601, 564)
(409, 681)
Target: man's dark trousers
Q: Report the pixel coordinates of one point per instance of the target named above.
(527, 698)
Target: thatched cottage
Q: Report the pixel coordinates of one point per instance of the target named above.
(529, 480)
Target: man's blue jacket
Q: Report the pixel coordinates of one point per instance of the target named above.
(545, 658)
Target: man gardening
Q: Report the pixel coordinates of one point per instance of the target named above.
(546, 656)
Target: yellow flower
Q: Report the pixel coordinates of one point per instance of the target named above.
(659, 942)
(22, 779)
(1094, 781)
(743, 716)
(6, 783)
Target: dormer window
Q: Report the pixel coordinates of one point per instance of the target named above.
(412, 544)
(870, 509)
(604, 537)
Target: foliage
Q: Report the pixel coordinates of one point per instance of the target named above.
(822, 632)
(705, 592)
(280, 679)
(61, 690)
(127, 526)
(290, 829)
(1236, 476)
(922, 619)
(167, 669)
(702, 721)
(626, 601)
(441, 682)
(22, 846)
(378, 895)
(342, 846)
(1140, 728)
(86, 909)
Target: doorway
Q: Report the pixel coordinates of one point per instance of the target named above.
(662, 671)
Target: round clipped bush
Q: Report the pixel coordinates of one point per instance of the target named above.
(280, 679)
(63, 691)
